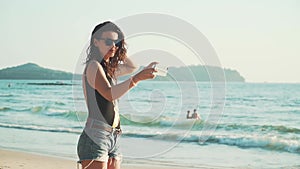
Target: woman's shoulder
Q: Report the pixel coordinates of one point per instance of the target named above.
(93, 66)
(92, 62)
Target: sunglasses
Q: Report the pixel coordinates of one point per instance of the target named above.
(110, 42)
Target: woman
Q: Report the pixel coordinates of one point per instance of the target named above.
(98, 145)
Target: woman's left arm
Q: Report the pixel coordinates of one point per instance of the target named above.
(126, 68)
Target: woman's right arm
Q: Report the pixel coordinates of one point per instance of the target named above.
(97, 79)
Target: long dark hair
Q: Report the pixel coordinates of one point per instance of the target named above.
(93, 52)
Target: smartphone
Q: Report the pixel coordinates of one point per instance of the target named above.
(161, 70)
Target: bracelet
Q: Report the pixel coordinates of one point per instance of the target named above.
(131, 80)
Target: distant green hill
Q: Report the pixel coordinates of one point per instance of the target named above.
(34, 72)
(201, 73)
(189, 73)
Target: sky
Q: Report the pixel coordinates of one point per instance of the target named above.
(258, 38)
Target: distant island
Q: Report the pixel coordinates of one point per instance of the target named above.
(202, 73)
(32, 71)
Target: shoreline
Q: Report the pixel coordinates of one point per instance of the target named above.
(14, 159)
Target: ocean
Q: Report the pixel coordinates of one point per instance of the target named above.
(258, 125)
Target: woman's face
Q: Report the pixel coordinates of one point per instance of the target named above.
(107, 44)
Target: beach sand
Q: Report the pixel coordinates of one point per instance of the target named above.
(20, 160)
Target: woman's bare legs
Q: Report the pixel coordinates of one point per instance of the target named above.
(92, 164)
(113, 163)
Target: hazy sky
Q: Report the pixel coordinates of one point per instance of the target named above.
(259, 38)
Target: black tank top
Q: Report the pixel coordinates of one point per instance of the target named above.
(100, 108)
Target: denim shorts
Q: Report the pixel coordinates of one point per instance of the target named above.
(99, 145)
